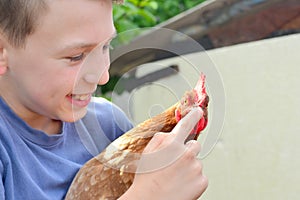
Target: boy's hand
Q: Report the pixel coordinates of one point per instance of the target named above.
(169, 168)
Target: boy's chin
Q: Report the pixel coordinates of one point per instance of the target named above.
(75, 116)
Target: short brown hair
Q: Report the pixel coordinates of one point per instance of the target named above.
(18, 18)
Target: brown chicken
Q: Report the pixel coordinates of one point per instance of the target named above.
(111, 173)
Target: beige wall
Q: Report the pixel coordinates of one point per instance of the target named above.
(257, 155)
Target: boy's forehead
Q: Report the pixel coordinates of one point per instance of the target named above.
(87, 24)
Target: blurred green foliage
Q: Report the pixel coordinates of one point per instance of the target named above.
(146, 13)
(134, 14)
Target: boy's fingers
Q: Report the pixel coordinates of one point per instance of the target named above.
(186, 124)
(163, 151)
(155, 142)
(193, 146)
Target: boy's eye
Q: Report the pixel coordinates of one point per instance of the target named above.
(76, 58)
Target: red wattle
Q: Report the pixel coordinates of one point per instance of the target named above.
(201, 125)
(177, 115)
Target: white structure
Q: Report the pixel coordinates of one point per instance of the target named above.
(256, 156)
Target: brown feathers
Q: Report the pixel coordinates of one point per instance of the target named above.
(110, 174)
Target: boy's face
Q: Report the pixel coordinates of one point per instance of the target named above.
(54, 76)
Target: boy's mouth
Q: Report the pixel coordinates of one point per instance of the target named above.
(81, 97)
(80, 100)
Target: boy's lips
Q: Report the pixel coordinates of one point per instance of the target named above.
(80, 97)
(80, 100)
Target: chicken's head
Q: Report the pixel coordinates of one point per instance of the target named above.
(193, 98)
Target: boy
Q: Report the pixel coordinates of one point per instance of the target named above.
(47, 123)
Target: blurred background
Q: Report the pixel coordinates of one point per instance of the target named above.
(249, 51)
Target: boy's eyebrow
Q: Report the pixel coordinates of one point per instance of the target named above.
(82, 45)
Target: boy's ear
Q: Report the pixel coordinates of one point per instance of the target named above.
(3, 56)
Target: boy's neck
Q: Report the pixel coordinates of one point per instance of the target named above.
(49, 126)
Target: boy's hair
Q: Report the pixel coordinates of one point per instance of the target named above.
(18, 18)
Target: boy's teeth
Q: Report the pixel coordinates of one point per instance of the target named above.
(80, 97)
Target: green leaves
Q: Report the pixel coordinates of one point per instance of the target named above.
(147, 13)
(135, 14)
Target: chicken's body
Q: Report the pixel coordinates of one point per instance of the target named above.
(111, 173)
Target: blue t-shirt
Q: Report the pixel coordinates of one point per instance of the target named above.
(34, 165)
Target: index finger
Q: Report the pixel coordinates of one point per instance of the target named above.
(187, 124)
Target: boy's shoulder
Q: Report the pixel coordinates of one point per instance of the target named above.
(104, 122)
(107, 111)
(101, 107)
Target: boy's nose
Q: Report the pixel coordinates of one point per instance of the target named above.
(95, 68)
(96, 78)
(91, 78)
